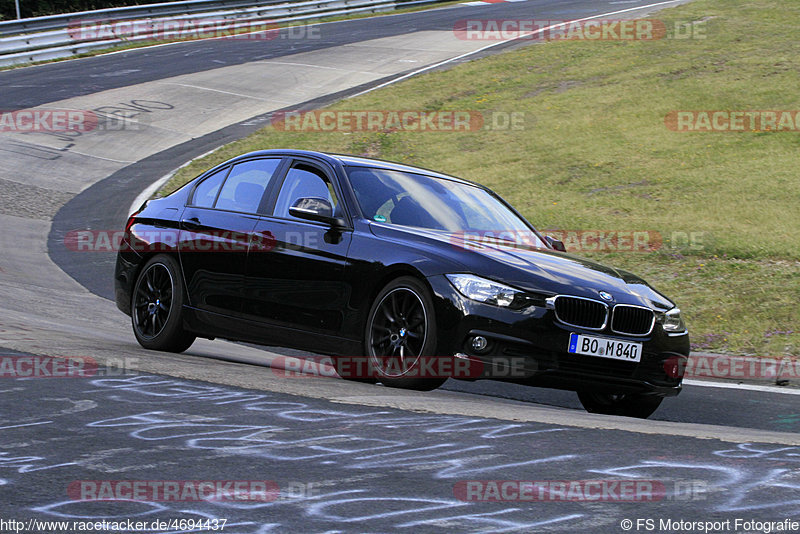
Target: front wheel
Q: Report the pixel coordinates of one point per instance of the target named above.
(157, 307)
(401, 334)
(629, 405)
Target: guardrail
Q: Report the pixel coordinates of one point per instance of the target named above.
(55, 22)
(78, 33)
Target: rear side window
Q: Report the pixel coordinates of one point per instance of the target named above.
(206, 192)
(246, 185)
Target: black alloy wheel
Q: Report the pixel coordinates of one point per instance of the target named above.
(401, 332)
(157, 304)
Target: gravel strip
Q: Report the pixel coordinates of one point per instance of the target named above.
(29, 201)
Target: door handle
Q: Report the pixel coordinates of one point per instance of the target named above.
(263, 241)
(192, 223)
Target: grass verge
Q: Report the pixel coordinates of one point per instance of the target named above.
(595, 153)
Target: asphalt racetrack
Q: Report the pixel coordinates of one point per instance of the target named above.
(339, 456)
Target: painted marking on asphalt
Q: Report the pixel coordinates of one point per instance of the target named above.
(240, 95)
(322, 67)
(26, 424)
(748, 387)
(73, 151)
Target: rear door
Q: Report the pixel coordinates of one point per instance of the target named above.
(215, 233)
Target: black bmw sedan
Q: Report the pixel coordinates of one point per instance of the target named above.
(404, 275)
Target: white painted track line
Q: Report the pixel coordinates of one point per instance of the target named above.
(747, 387)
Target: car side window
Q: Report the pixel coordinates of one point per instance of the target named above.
(301, 181)
(246, 184)
(206, 192)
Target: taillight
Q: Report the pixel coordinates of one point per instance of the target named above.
(131, 220)
(127, 236)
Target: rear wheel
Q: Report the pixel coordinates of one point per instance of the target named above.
(401, 333)
(157, 307)
(629, 405)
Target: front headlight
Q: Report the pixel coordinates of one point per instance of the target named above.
(483, 290)
(672, 321)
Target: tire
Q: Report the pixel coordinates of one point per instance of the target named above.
(629, 405)
(400, 329)
(157, 307)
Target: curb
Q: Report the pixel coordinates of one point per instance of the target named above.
(766, 370)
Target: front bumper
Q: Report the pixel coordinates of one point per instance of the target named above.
(529, 346)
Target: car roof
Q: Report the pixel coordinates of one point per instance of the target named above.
(348, 160)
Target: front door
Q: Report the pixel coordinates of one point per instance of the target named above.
(295, 268)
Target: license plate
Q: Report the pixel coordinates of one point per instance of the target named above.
(605, 348)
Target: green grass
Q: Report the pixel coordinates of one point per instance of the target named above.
(595, 154)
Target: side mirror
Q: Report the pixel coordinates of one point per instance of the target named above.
(315, 209)
(555, 244)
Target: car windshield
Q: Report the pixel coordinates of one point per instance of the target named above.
(409, 199)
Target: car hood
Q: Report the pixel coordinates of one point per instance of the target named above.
(537, 270)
